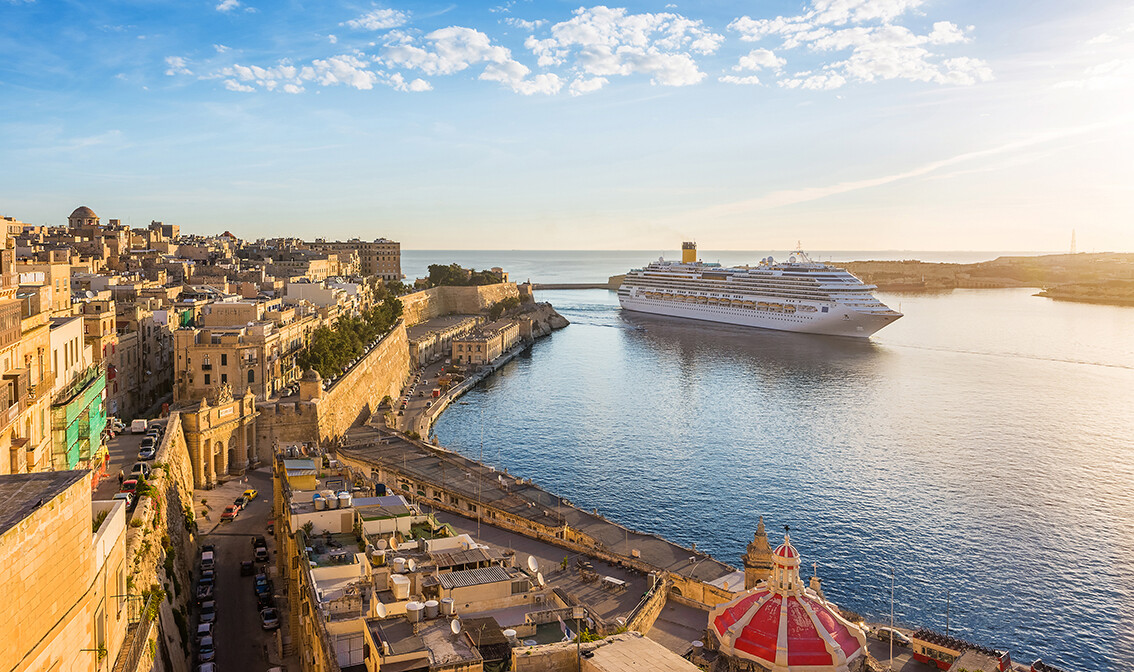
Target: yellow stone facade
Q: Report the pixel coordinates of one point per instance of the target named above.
(65, 604)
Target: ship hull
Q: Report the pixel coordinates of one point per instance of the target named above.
(838, 321)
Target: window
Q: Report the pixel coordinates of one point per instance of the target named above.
(223, 359)
(206, 379)
(251, 376)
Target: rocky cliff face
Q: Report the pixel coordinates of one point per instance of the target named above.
(544, 319)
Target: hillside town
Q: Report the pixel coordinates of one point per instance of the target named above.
(218, 458)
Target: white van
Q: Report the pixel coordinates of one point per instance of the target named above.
(138, 427)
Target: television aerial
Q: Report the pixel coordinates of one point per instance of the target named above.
(533, 564)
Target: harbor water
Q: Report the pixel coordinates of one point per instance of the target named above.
(980, 451)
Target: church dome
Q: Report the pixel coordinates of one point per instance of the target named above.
(785, 627)
(83, 212)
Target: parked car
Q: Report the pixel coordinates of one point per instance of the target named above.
(230, 513)
(206, 650)
(262, 585)
(147, 453)
(138, 426)
(127, 497)
(205, 589)
(240, 502)
(208, 559)
(204, 630)
(247, 568)
(207, 667)
(141, 471)
(258, 540)
(251, 493)
(116, 425)
(129, 485)
(884, 633)
(209, 612)
(261, 554)
(148, 442)
(269, 618)
(265, 600)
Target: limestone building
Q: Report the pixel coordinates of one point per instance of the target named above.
(382, 258)
(487, 344)
(66, 602)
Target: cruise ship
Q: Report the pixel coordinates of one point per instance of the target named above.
(794, 295)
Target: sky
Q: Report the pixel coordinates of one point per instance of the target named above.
(842, 124)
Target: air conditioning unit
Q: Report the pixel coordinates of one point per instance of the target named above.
(539, 599)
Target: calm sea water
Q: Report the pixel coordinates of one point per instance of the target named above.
(559, 266)
(980, 449)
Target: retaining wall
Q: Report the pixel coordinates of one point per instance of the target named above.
(430, 303)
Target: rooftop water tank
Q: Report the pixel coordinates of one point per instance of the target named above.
(320, 503)
(431, 609)
(377, 558)
(448, 606)
(510, 635)
(344, 500)
(400, 565)
(413, 611)
(399, 586)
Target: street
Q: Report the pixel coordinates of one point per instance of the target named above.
(423, 382)
(123, 450)
(241, 642)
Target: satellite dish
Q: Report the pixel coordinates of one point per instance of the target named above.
(381, 544)
(539, 577)
(455, 626)
(410, 565)
(533, 564)
(89, 294)
(381, 610)
(393, 544)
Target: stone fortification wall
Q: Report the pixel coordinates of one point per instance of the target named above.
(430, 303)
(355, 395)
(285, 423)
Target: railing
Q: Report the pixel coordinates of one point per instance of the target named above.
(137, 635)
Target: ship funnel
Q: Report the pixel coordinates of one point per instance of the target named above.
(688, 252)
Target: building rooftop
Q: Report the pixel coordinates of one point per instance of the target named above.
(442, 323)
(470, 577)
(22, 494)
(300, 467)
(520, 497)
(632, 652)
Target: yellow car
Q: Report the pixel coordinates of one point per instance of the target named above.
(250, 494)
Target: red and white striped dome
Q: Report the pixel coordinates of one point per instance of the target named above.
(786, 550)
(786, 627)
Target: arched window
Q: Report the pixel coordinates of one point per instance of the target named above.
(251, 376)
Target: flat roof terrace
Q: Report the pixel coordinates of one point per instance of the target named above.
(437, 325)
(505, 492)
(22, 494)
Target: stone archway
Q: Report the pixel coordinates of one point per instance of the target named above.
(233, 461)
(219, 466)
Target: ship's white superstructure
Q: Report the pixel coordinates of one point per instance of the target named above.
(796, 295)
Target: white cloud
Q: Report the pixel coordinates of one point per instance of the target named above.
(840, 12)
(453, 49)
(945, 32)
(606, 41)
(522, 24)
(332, 39)
(221, 48)
(760, 59)
(875, 48)
(819, 82)
(581, 85)
(1104, 38)
(1113, 74)
(398, 82)
(378, 19)
(228, 5)
(233, 85)
(177, 66)
(733, 79)
(345, 69)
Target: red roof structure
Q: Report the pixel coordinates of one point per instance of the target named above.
(786, 627)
